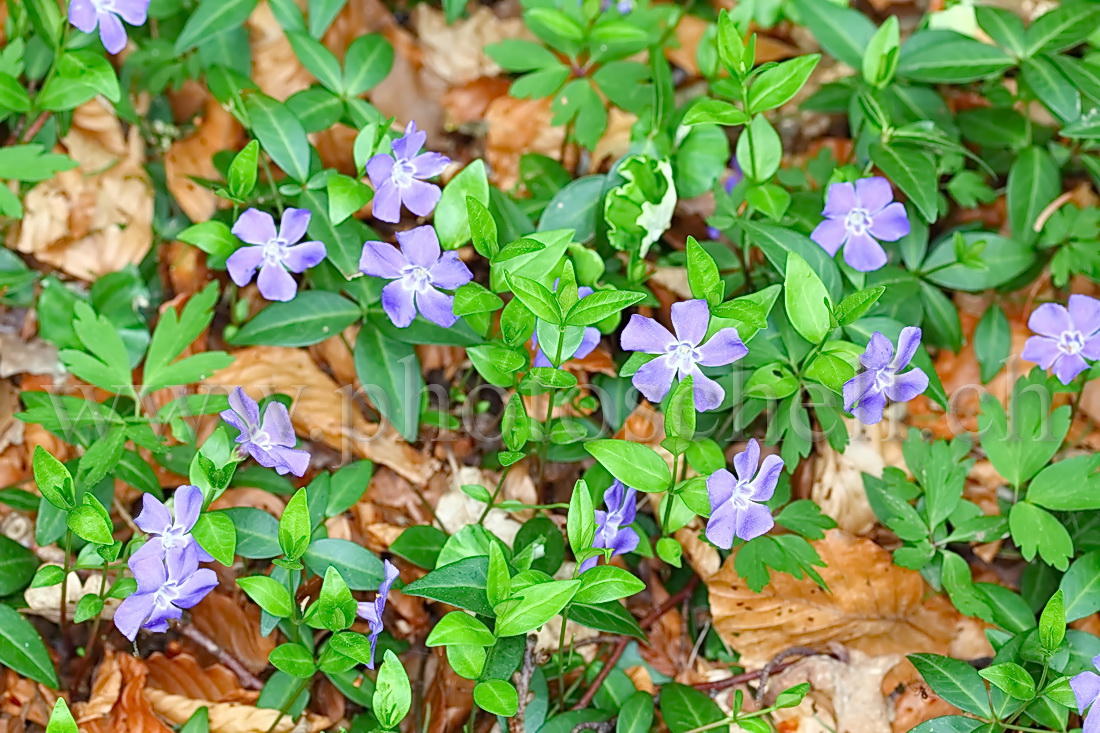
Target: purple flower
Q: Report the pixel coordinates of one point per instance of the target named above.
(270, 443)
(399, 178)
(736, 175)
(623, 6)
(274, 252)
(1086, 688)
(372, 612)
(164, 588)
(589, 341)
(613, 530)
(418, 271)
(85, 15)
(868, 390)
(1066, 337)
(170, 534)
(856, 217)
(735, 500)
(681, 355)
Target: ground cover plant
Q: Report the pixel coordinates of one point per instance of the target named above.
(549, 366)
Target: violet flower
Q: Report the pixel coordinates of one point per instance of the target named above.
(623, 6)
(682, 355)
(418, 271)
(868, 390)
(1086, 689)
(274, 252)
(372, 611)
(613, 530)
(857, 217)
(1066, 337)
(589, 341)
(737, 511)
(399, 178)
(270, 443)
(164, 588)
(735, 176)
(85, 15)
(170, 534)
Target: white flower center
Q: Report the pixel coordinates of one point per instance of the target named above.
(262, 440)
(402, 174)
(884, 379)
(418, 278)
(1071, 342)
(858, 221)
(275, 251)
(684, 355)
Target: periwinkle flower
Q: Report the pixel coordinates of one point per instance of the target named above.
(857, 217)
(164, 588)
(867, 391)
(737, 511)
(170, 534)
(270, 443)
(682, 354)
(1086, 689)
(589, 341)
(613, 530)
(108, 15)
(1066, 338)
(273, 252)
(624, 7)
(372, 611)
(400, 178)
(419, 272)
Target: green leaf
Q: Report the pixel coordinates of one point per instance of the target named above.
(317, 59)
(581, 520)
(1069, 485)
(335, 607)
(17, 566)
(359, 567)
(61, 720)
(312, 317)
(458, 627)
(31, 163)
(776, 242)
(498, 583)
(852, 308)
(346, 195)
(389, 373)
(1003, 26)
(1037, 531)
(1063, 27)
(534, 606)
(947, 57)
(1034, 181)
(368, 61)
(53, 479)
(209, 19)
(830, 370)
(1003, 259)
(295, 528)
(702, 272)
(269, 594)
(280, 133)
(420, 545)
(806, 299)
(1010, 678)
(1047, 82)
(91, 522)
(1081, 587)
(635, 464)
(212, 237)
(600, 305)
(452, 223)
(844, 33)
(992, 342)
(759, 150)
(106, 363)
(22, 649)
(215, 533)
(777, 85)
(242, 171)
(460, 584)
(1018, 450)
(607, 583)
(636, 714)
(913, 172)
(1052, 623)
(610, 617)
(880, 59)
(680, 415)
(497, 697)
(706, 111)
(954, 680)
(685, 708)
(392, 693)
(294, 659)
(256, 532)
(13, 97)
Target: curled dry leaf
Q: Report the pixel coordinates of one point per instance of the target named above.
(838, 477)
(183, 675)
(322, 411)
(456, 510)
(456, 51)
(193, 156)
(850, 691)
(106, 688)
(96, 218)
(235, 627)
(448, 696)
(275, 67)
(25, 699)
(46, 601)
(131, 711)
(230, 717)
(872, 605)
(516, 127)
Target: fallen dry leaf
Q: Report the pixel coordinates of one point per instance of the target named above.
(96, 218)
(872, 605)
(321, 411)
(194, 156)
(230, 717)
(849, 692)
(275, 67)
(46, 601)
(456, 52)
(131, 711)
(182, 674)
(235, 627)
(106, 688)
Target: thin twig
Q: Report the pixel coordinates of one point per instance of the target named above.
(249, 680)
(523, 685)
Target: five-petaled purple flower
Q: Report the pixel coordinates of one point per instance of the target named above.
(682, 355)
(400, 178)
(273, 252)
(170, 534)
(589, 341)
(372, 611)
(868, 390)
(165, 586)
(1086, 689)
(85, 15)
(270, 443)
(418, 271)
(613, 530)
(737, 511)
(1066, 338)
(857, 217)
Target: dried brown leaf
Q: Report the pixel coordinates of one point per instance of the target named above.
(456, 51)
(106, 689)
(194, 156)
(183, 675)
(229, 717)
(235, 627)
(850, 692)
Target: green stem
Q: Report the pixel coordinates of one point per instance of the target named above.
(274, 186)
(496, 493)
(285, 709)
(63, 606)
(668, 495)
(561, 655)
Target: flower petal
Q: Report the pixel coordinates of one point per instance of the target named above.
(722, 526)
(907, 386)
(195, 587)
(707, 392)
(646, 335)
(386, 205)
(189, 500)
(763, 486)
(1091, 349)
(82, 14)
(839, 200)
(878, 353)
(436, 306)
(1086, 688)
(255, 227)
(134, 12)
(1068, 367)
(420, 197)
(154, 517)
(874, 194)
(690, 319)
(397, 301)
(277, 425)
(1085, 313)
(408, 145)
(908, 343)
(589, 342)
(870, 407)
(245, 406)
(654, 378)
(420, 246)
(111, 32)
(863, 253)
(293, 225)
(890, 224)
(753, 521)
(132, 612)
(830, 234)
(724, 347)
(382, 260)
(720, 486)
(856, 387)
(1042, 350)
(429, 165)
(747, 461)
(1050, 319)
(379, 170)
(275, 283)
(242, 264)
(450, 273)
(301, 257)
